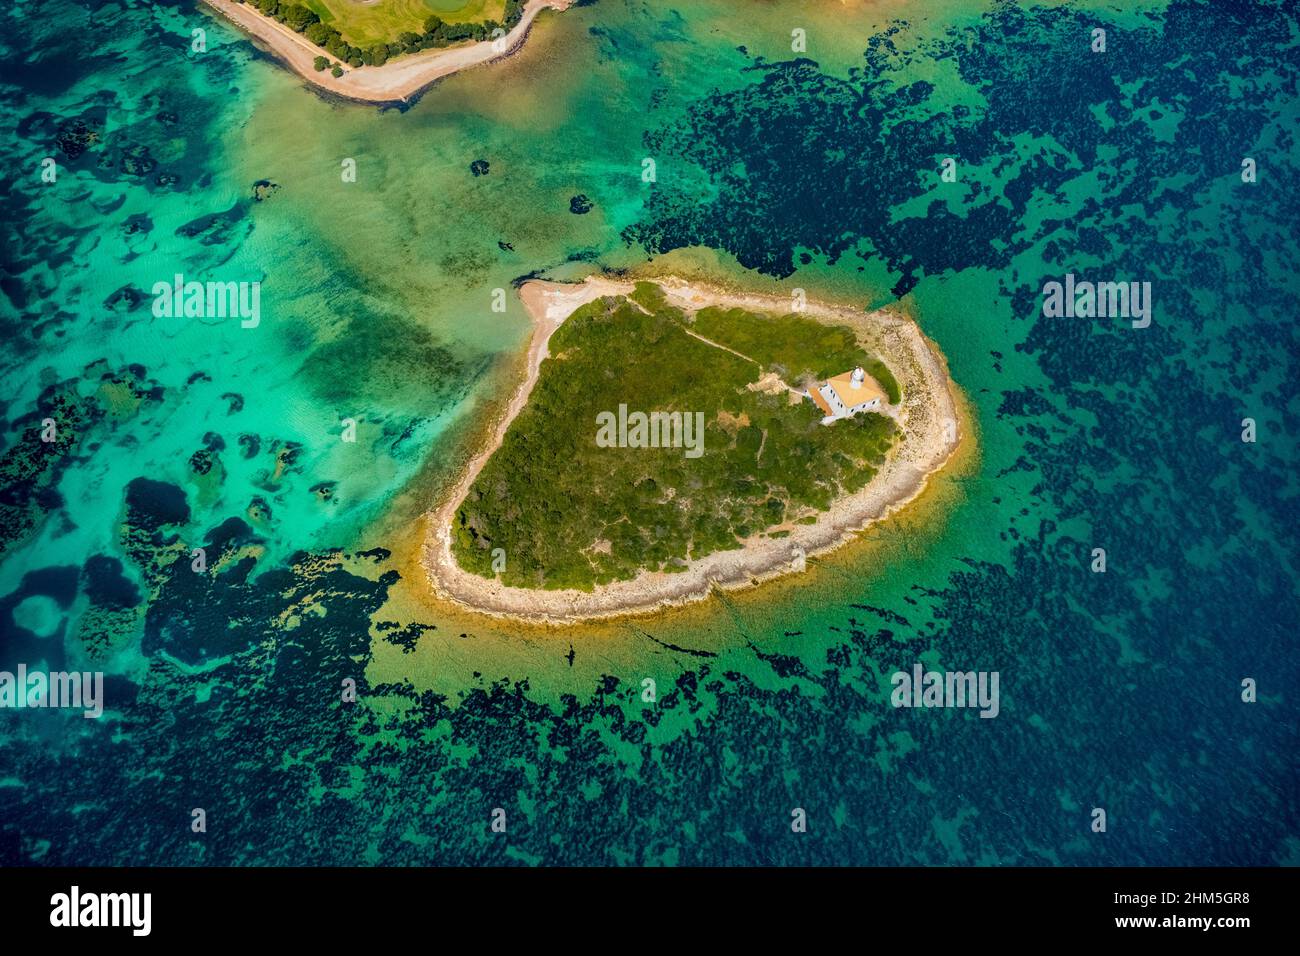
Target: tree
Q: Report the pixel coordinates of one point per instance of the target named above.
(318, 33)
(337, 71)
(297, 17)
(320, 63)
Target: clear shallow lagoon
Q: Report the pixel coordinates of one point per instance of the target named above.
(1119, 690)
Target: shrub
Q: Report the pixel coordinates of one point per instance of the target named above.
(318, 33)
(298, 17)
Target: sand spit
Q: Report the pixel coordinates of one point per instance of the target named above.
(398, 80)
(927, 414)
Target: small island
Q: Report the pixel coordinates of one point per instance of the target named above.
(669, 438)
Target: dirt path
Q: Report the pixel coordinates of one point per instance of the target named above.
(719, 345)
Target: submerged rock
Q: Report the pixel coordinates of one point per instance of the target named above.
(75, 138)
(136, 160)
(136, 224)
(128, 298)
(249, 445)
(580, 205)
(264, 189)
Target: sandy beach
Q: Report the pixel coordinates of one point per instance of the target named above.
(927, 413)
(398, 80)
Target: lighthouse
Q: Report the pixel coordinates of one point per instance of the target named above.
(843, 396)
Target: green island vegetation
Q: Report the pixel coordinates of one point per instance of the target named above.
(796, 348)
(372, 34)
(569, 513)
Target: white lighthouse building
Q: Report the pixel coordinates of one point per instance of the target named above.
(843, 396)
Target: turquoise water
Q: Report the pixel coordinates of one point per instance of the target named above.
(1119, 690)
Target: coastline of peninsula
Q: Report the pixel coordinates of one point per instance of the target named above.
(397, 81)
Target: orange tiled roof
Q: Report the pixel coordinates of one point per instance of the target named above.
(850, 396)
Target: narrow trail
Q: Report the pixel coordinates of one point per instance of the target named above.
(719, 345)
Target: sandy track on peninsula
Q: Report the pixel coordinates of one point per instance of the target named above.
(397, 80)
(927, 413)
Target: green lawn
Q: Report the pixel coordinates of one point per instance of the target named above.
(364, 24)
(569, 513)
